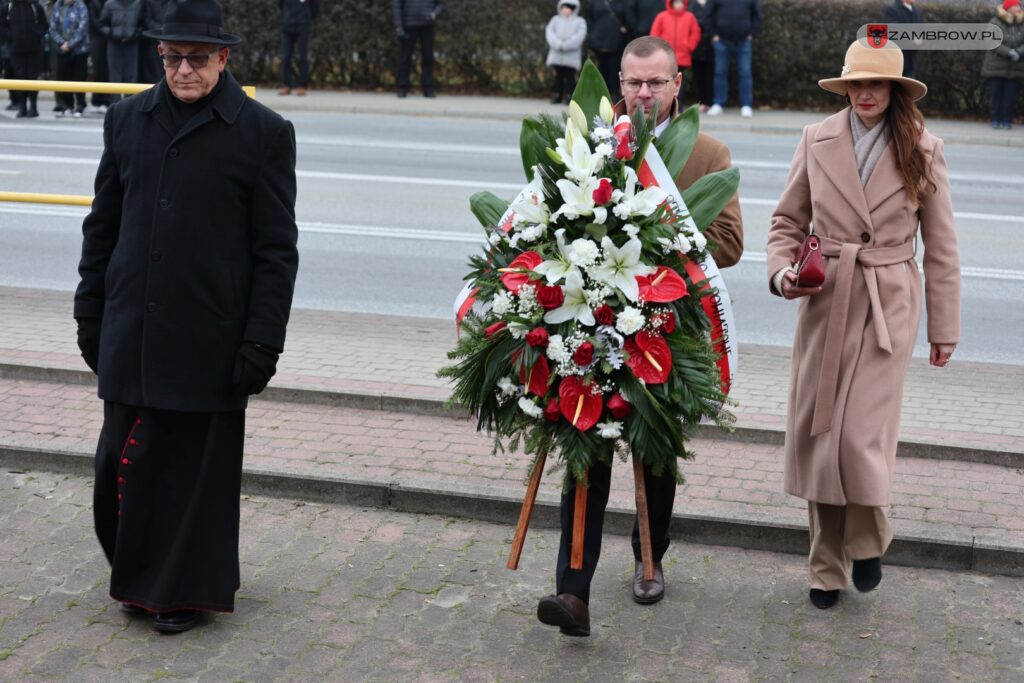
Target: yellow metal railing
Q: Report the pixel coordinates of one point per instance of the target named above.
(73, 86)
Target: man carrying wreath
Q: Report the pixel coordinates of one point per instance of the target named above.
(649, 79)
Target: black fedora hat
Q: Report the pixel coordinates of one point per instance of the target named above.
(194, 21)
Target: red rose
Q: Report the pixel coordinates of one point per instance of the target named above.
(619, 407)
(604, 314)
(584, 354)
(538, 336)
(552, 412)
(495, 328)
(668, 323)
(550, 296)
(624, 151)
(603, 193)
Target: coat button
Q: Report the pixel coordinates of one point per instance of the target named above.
(173, 152)
(155, 256)
(151, 306)
(865, 237)
(164, 203)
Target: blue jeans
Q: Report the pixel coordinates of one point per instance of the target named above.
(1002, 96)
(725, 52)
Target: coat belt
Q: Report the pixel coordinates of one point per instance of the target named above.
(850, 254)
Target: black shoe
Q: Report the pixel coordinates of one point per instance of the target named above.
(133, 610)
(824, 599)
(566, 611)
(648, 592)
(12, 106)
(557, 99)
(429, 93)
(177, 621)
(403, 93)
(867, 574)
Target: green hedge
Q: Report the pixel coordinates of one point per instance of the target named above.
(499, 48)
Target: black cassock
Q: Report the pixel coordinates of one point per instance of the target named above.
(166, 506)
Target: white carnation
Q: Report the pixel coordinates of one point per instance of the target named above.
(556, 348)
(518, 330)
(507, 386)
(604, 150)
(606, 430)
(530, 408)
(501, 302)
(583, 252)
(630, 320)
(699, 240)
(630, 229)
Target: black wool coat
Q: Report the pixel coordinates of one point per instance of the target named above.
(190, 248)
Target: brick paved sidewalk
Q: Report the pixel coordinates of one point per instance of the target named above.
(343, 594)
(966, 405)
(938, 502)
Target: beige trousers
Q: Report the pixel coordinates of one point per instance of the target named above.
(841, 534)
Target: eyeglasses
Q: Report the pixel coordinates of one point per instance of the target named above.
(655, 85)
(197, 60)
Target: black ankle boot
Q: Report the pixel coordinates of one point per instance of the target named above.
(32, 111)
(867, 574)
(824, 599)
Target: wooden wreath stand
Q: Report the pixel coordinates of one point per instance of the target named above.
(579, 516)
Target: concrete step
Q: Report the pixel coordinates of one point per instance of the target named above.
(948, 514)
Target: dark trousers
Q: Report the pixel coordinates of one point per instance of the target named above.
(704, 80)
(165, 505)
(72, 67)
(608, 63)
(151, 69)
(295, 39)
(424, 35)
(565, 82)
(100, 72)
(661, 492)
(1002, 96)
(26, 66)
(123, 62)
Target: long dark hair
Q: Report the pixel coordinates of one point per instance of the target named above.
(905, 126)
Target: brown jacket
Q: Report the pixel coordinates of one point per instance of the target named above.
(855, 338)
(708, 156)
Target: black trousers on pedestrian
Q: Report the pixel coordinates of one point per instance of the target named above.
(565, 82)
(295, 41)
(100, 72)
(1002, 98)
(661, 492)
(704, 80)
(608, 63)
(151, 69)
(123, 63)
(166, 506)
(424, 35)
(26, 66)
(72, 67)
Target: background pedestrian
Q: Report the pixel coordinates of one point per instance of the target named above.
(69, 31)
(679, 29)
(565, 34)
(98, 54)
(121, 23)
(734, 23)
(608, 31)
(25, 24)
(414, 23)
(905, 12)
(1003, 67)
(703, 56)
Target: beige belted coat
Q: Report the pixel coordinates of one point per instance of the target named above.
(854, 339)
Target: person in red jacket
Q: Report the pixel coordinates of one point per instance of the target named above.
(680, 29)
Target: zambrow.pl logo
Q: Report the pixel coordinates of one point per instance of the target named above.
(931, 36)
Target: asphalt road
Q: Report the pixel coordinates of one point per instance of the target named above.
(386, 228)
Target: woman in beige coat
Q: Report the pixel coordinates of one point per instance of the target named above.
(865, 179)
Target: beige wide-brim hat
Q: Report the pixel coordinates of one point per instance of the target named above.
(864, 63)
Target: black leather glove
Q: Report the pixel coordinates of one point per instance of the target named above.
(89, 341)
(255, 364)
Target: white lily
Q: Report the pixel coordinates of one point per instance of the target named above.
(578, 200)
(605, 109)
(580, 162)
(575, 306)
(621, 266)
(577, 116)
(629, 202)
(555, 269)
(529, 206)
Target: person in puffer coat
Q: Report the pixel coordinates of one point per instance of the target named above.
(121, 23)
(24, 21)
(414, 23)
(680, 29)
(1003, 67)
(565, 34)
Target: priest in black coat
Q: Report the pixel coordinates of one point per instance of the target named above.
(187, 272)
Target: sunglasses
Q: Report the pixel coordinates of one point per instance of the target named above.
(197, 60)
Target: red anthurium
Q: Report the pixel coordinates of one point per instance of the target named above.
(495, 328)
(619, 407)
(579, 404)
(540, 375)
(603, 193)
(517, 274)
(650, 359)
(551, 411)
(662, 287)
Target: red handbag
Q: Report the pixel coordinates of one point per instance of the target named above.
(810, 264)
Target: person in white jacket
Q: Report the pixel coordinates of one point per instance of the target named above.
(565, 34)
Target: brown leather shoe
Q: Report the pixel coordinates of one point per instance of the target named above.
(284, 91)
(648, 592)
(300, 92)
(566, 611)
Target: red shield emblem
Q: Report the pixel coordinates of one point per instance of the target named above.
(878, 35)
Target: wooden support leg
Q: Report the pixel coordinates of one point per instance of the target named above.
(526, 512)
(578, 524)
(643, 521)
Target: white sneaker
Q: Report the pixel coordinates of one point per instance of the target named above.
(715, 110)
(746, 112)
